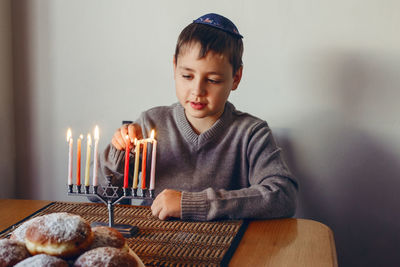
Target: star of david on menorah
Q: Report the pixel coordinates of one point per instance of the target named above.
(145, 157)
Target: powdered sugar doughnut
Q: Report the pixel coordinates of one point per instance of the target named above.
(42, 260)
(106, 256)
(59, 234)
(12, 252)
(19, 233)
(104, 236)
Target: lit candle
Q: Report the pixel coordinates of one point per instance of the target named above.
(95, 164)
(70, 141)
(144, 161)
(88, 149)
(126, 173)
(136, 170)
(78, 164)
(153, 161)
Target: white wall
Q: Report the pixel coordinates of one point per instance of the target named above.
(324, 74)
(7, 149)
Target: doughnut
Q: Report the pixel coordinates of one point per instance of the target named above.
(104, 236)
(59, 234)
(42, 260)
(12, 252)
(19, 233)
(106, 256)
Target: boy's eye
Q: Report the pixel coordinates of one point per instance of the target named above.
(213, 81)
(186, 76)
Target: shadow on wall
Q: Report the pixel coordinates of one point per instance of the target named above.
(23, 80)
(349, 176)
(32, 99)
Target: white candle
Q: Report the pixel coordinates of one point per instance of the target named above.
(153, 162)
(87, 169)
(70, 141)
(95, 164)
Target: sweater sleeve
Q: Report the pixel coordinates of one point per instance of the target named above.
(271, 192)
(112, 163)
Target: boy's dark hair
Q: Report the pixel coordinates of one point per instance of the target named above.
(212, 39)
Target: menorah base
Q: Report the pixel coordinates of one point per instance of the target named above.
(110, 200)
(125, 229)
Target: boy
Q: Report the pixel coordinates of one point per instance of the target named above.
(213, 161)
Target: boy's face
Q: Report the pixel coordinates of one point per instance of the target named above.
(203, 85)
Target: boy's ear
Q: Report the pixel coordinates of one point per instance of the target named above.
(236, 78)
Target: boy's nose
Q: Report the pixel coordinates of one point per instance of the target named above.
(198, 88)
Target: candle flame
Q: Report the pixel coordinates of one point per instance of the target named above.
(89, 139)
(69, 134)
(81, 136)
(152, 134)
(96, 133)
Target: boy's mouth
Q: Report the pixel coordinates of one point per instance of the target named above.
(197, 105)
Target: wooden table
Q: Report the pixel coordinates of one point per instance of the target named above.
(284, 242)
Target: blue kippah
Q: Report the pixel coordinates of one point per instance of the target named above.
(219, 22)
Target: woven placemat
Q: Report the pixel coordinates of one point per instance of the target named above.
(161, 243)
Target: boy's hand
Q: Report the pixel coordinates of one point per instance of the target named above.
(167, 204)
(119, 140)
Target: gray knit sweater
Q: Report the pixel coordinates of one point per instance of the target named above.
(233, 170)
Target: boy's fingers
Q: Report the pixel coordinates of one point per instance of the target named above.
(132, 132)
(135, 131)
(159, 212)
(155, 209)
(138, 130)
(163, 215)
(118, 139)
(116, 144)
(124, 133)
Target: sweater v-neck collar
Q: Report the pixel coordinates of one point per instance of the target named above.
(200, 139)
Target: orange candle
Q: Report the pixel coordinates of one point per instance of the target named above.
(144, 161)
(78, 164)
(126, 173)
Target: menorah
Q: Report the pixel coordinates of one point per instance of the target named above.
(110, 194)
